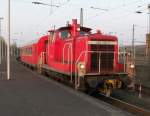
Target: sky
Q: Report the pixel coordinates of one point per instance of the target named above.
(30, 21)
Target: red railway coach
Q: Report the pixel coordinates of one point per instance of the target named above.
(86, 59)
(30, 52)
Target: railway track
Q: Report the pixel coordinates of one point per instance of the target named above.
(124, 105)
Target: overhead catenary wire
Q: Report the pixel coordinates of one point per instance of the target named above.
(52, 13)
(47, 19)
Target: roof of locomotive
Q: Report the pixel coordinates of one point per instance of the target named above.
(69, 27)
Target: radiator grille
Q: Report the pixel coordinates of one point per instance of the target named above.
(103, 60)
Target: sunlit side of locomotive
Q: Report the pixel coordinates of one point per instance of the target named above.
(74, 53)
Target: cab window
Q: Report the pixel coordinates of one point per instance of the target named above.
(82, 33)
(65, 34)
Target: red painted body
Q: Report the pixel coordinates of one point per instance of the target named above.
(65, 47)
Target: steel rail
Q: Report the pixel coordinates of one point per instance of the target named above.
(124, 105)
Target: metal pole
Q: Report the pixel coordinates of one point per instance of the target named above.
(8, 43)
(1, 18)
(149, 16)
(133, 53)
(0, 26)
(140, 91)
(5, 49)
(81, 17)
(13, 47)
(124, 57)
(0, 50)
(133, 46)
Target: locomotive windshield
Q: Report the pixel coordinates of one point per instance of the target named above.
(82, 33)
(65, 34)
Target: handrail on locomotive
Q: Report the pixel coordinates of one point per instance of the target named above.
(69, 48)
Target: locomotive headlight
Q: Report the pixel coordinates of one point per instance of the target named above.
(78, 29)
(82, 66)
(132, 66)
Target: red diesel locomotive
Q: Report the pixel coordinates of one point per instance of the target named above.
(76, 54)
